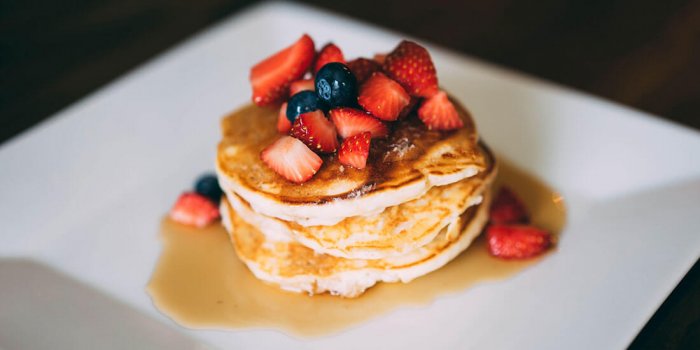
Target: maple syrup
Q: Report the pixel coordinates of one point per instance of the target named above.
(200, 283)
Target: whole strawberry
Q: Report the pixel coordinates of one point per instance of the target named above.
(410, 65)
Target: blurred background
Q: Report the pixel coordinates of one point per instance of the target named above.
(642, 53)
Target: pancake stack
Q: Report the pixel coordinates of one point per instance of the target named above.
(421, 200)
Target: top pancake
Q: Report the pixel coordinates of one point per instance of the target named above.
(400, 168)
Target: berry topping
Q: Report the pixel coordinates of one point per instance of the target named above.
(517, 241)
(271, 77)
(283, 123)
(363, 68)
(303, 102)
(351, 121)
(507, 208)
(301, 85)
(336, 85)
(410, 64)
(438, 113)
(315, 131)
(291, 159)
(329, 53)
(194, 209)
(208, 186)
(383, 97)
(355, 150)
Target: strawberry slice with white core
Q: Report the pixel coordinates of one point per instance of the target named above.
(438, 113)
(350, 122)
(194, 209)
(271, 77)
(315, 131)
(291, 159)
(383, 97)
(329, 53)
(355, 150)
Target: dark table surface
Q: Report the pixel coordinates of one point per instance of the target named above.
(641, 53)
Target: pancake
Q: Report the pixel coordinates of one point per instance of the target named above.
(294, 267)
(395, 231)
(400, 168)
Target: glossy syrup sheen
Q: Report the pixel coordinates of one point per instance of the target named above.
(200, 283)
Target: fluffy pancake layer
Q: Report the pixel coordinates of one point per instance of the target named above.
(395, 231)
(403, 167)
(295, 267)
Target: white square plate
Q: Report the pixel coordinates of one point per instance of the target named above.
(84, 192)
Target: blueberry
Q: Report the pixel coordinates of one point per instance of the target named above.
(302, 102)
(207, 185)
(336, 85)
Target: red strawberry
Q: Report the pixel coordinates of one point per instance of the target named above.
(271, 77)
(382, 97)
(507, 208)
(194, 209)
(438, 113)
(301, 85)
(291, 159)
(351, 121)
(363, 68)
(517, 241)
(410, 64)
(283, 123)
(355, 150)
(316, 131)
(329, 53)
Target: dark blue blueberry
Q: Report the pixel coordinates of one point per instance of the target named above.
(336, 85)
(207, 185)
(302, 102)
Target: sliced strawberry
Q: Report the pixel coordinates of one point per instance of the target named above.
(363, 68)
(517, 241)
(291, 159)
(271, 77)
(301, 85)
(438, 113)
(283, 123)
(507, 208)
(194, 209)
(329, 53)
(383, 97)
(355, 150)
(316, 131)
(410, 64)
(351, 121)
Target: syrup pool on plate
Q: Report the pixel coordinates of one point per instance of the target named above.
(200, 283)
